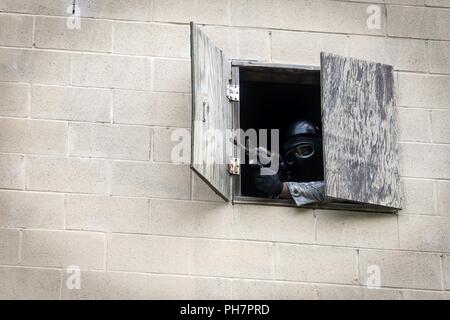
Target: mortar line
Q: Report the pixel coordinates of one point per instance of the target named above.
(348, 285)
(218, 24)
(436, 199)
(20, 258)
(33, 35)
(61, 275)
(65, 196)
(442, 274)
(55, 192)
(154, 57)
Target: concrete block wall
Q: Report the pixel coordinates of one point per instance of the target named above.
(85, 172)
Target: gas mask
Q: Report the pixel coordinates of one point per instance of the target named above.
(302, 152)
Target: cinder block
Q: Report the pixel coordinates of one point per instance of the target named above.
(172, 75)
(418, 22)
(67, 103)
(407, 2)
(425, 160)
(29, 283)
(46, 7)
(191, 256)
(206, 12)
(443, 196)
(332, 292)
(116, 9)
(109, 141)
(15, 101)
(149, 254)
(152, 108)
(273, 290)
(110, 214)
(151, 180)
(305, 48)
(12, 171)
(320, 15)
(439, 60)
(108, 71)
(423, 91)
(420, 233)
(68, 175)
(237, 259)
(268, 14)
(252, 290)
(357, 229)
(239, 43)
(33, 136)
(44, 67)
(437, 3)
(403, 54)
(401, 269)
(421, 295)
(9, 246)
(95, 285)
(440, 126)
(31, 210)
(273, 224)
(325, 264)
(409, 120)
(16, 31)
(294, 291)
(63, 249)
(202, 192)
(161, 287)
(418, 196)
(150, 39)
(446, 271)
(187, 218)
(168, 147)
(379, 1)
(57, 33)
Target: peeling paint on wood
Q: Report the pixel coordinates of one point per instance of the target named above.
(212, 113)
(360, 131)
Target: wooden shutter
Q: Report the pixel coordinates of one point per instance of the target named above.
(211, 112)
(359, 131)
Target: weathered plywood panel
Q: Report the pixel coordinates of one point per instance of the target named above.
(360, 131)
(212, 113)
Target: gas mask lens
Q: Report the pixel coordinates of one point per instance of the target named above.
(302, 152)
(305, 150)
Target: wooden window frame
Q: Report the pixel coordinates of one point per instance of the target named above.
(363, 176)
(236, 66)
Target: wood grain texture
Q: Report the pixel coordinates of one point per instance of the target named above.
(360, 131)
(212, 112)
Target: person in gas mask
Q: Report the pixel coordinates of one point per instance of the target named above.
(301, 173)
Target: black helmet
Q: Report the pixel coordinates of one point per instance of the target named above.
(302, 151)
(300, 129)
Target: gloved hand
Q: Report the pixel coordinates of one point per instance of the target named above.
(269, 184)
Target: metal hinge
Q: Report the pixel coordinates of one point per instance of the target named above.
(234, 167)
(233, 92)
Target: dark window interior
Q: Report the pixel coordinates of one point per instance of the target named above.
(273, 99)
